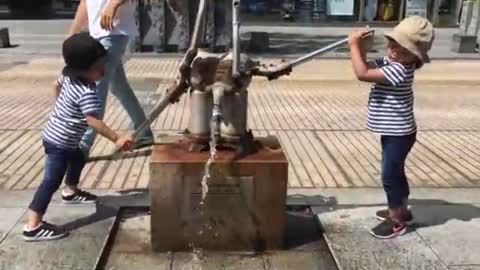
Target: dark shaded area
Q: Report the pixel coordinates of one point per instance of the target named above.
(301, 229)
(112, 205)
(430, 213)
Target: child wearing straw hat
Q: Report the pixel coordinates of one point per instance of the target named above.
(390, 111)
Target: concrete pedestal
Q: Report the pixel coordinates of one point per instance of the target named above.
(464, 43)
(244, 208)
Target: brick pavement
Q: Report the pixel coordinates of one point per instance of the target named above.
(319, 119)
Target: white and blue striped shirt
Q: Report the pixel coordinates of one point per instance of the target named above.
(390, 105)
(67, 122)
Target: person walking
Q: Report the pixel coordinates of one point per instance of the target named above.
(112, 23)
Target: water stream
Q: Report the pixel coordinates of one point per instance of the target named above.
(198, 253)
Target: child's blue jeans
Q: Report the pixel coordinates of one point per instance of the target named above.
(59, 162)
(394, 153)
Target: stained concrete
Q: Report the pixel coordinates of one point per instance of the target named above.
(132, 249)
(7, 224)
(298, 260)
(305, 250)
(376, 196)
(452, 231)
(16, 199)
(231, 261)
(346, 232)
(79, 250)
(443, 235)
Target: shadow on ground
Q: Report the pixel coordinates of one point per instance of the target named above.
(427, 212)
(109, 206)
(301, 228)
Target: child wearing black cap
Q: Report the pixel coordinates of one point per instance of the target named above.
(77, 107)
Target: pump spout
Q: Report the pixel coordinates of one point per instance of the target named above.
(219, 90)
(236, 38)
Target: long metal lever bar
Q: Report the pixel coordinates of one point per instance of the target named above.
(284, 69)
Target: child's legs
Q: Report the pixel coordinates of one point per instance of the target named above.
(55, 168)
(76, 163)
(394, 153)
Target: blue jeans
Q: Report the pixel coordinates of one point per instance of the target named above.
(59, 162)
(394, 153)
(115, 73)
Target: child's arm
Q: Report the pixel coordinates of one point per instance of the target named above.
(125, 143)
(57, 86)
(363, 71)
(91, 108)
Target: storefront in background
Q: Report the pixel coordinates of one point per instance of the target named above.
(442, 12)
(40, 9)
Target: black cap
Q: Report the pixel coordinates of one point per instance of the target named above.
(82, 52)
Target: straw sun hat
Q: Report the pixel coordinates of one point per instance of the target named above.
(415, 34)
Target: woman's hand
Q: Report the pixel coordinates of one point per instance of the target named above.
(108, 15)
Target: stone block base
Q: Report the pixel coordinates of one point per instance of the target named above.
(464, 43)
(243, 210)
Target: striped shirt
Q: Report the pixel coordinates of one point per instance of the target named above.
(390, 105)
(67, 122)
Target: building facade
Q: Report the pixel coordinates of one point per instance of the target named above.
(350, 12)
(166, 25)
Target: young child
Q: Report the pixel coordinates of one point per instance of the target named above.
(77, 106)
(390, 111)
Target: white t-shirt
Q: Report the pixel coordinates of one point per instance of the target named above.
(124, 22)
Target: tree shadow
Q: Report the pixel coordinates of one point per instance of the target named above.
(426, 212)
(430, 213)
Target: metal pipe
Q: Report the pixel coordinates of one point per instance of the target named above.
(199, 20)
(325, 49)
(218, 91)
(275, 72)
(236, 37)
(311, 55)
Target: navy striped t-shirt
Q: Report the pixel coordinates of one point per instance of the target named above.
(390, 105)
(67, 122)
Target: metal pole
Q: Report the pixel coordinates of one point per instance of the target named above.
(199, 20)
(236, 37)
(325, 49)
(311, 55)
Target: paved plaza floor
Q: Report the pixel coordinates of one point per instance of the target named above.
(318, 113)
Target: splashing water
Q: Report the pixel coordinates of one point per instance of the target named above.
(198, 253)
